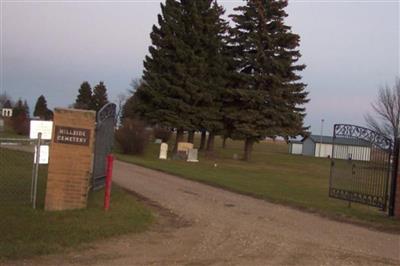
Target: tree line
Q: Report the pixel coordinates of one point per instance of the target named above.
(20, 119)
(239, 80)
(89, 99)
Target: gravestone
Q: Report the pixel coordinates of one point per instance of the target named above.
(193, 155)
(158, 141)
(1, 124)
(163, 151)
(184, 147)
(71, 159)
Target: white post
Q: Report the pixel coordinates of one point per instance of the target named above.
(36, 169)
(322, 131)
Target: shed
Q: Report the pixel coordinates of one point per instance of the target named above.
(345, 148)
(295, 147)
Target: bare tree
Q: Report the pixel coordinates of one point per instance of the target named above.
(387, 109)
(121, 99)
(4, 99)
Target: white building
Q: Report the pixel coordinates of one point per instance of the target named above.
(295, 147)
(345, 148)
(322, 146)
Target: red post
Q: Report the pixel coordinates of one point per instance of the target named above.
(107, 191)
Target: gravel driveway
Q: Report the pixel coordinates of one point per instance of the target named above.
(202, 225)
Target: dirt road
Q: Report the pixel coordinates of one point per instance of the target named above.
(217, 227)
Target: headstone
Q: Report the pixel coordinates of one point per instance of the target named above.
(71, 159)
(163, 151)
(193, 155)
(184, 147)
(158, 141)
(1, 124)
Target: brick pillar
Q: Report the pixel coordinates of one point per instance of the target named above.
(71, 157)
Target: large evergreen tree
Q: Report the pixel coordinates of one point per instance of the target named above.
(266, 96)
(99, 98)
(163, 98)
(182, 75)
(205, 33)
(84, 98)
(41, 107)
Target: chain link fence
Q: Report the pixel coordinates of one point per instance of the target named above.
(18, 173)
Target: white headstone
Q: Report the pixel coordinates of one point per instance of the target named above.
(158, 141)
(193, 155)
(185, 147)
(163, 151)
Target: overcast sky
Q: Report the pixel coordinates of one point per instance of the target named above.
(49, 47)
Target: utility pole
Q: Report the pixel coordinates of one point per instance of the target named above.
(322, 131)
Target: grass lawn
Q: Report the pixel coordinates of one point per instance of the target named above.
(26, 232)
(273, 175)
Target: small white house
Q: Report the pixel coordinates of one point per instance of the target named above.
(345, 148)
(295, 147)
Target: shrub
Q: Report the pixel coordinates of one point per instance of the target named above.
(20, 124)
(162, 133)
(132, 137)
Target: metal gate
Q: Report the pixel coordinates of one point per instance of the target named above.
(105, 125)
(360, 167)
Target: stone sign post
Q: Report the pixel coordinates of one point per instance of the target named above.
(71, 157)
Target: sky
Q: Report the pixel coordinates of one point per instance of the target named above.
(350, 47)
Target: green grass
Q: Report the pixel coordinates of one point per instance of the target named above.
(26, 232)
(273, 175)
(10, 134)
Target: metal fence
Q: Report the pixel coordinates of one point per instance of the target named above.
(361, 166)
(21, 179)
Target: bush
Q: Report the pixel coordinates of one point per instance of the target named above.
(162, 133)
(132, 137)
(20, 124)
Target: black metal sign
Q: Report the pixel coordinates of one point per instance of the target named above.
(106, 120)
(360, 166)
(71, 135)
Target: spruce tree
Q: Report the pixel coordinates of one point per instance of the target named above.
(84, 98)
(182, 76)
(41, 108)
(164, 99)
(99, 98)
(206, 31)
(266, 95)
(20, 117)
(26, 108)
(18, 108)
